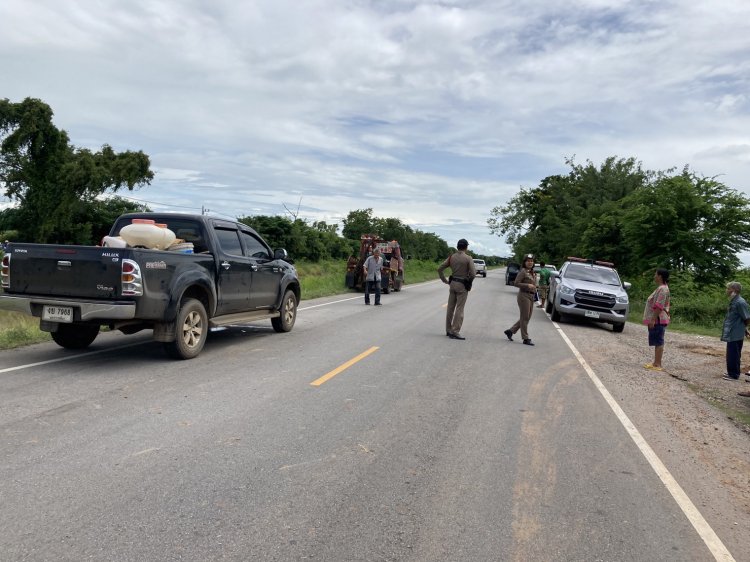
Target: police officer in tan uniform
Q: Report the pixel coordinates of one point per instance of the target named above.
(463, 273)
(526, 283)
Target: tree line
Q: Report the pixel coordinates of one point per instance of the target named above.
(320, 240)
(616, 211)
(636, 218)
(58, 191)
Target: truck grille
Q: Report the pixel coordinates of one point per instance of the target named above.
(593, 301)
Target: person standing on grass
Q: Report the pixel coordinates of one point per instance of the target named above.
(656, 317)
(735, 329)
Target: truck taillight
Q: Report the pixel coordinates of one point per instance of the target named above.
(131, 281)
(5, 272)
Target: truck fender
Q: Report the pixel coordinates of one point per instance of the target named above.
(198, 282)
(288, 283)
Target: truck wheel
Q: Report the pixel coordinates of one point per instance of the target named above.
(555, 316)
(75, 336)
(548, 305)
(285, 322)
(191, 327)
(618, 327)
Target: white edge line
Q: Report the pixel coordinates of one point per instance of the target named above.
(68, 357)
(710, 538)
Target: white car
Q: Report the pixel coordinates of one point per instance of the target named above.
(589, 289)
(481, 267)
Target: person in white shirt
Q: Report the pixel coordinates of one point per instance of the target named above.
(372, 267)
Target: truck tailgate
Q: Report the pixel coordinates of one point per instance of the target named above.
(65, 271)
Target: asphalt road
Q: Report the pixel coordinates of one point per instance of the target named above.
(425, 449)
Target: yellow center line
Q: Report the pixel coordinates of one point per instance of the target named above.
(343, 367)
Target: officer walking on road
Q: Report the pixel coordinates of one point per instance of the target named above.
(527, 285)
(463, 273)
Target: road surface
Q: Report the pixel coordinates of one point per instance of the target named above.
(363, 434)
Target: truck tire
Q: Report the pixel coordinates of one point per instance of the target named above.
(191, 327)
(548, 305)
(285, 322)
(75, 336)
(398, 284)
(555, 316)
(618, 327)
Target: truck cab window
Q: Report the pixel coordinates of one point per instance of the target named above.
(229, 241)
(254, 248)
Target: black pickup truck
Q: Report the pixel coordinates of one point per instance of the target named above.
(232, 277)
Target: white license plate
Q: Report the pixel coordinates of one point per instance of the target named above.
(592, 314)
(57, 313)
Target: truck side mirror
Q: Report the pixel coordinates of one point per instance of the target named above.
(281, 254)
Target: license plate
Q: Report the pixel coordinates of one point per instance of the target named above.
(592, 314)
(57, 313)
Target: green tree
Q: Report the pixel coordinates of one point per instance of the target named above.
(687, 223)
(302, 241)
(358, 223)
(53, 182)
(637, 219)
(564, 214)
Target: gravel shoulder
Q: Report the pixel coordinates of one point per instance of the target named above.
(692, 418)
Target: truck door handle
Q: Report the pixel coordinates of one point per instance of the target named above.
(226, 265)
(254, 267)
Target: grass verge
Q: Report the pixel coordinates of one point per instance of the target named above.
(17, 329)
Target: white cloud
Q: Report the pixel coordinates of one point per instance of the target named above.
(431, 111)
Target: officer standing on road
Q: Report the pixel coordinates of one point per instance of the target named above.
(463, 273)
(526, 283)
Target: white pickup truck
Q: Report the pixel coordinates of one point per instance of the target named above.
(481, 267)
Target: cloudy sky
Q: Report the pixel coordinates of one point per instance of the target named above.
(430, 111)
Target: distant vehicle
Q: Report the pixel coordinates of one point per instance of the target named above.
(511, 270)
(588, 289)
(481, 267)
(537, 267)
